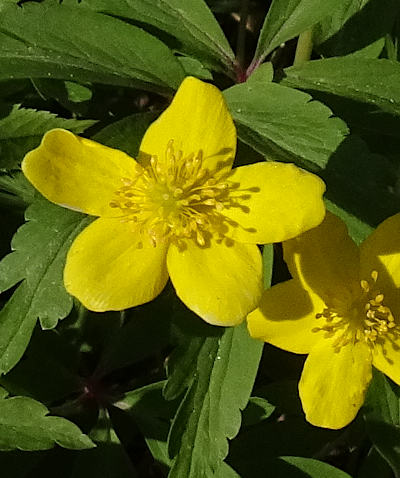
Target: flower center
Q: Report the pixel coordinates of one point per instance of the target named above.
(179, 198)
(364, 318)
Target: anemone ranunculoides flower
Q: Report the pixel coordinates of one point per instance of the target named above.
(178, 211)
(342, 308)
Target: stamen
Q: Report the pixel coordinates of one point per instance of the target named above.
(178, 198)
(362, 318)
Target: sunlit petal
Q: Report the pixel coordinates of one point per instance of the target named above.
(78, 173)
(274, 202)
(333, 384)
(110, 266)
(197, 120)
(221, 283)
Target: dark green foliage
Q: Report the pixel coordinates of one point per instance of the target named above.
(40, 247)
(25, 426)
(153, 391)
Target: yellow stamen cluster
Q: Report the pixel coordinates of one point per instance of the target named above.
(378, 317)
(364, 318)
(179, 198)
(334, 322)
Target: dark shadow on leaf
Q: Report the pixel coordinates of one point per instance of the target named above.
(187, 324)
(281, 469)
(360, 182)
(386, 438)
(5, 109)
(362, 28)
(362, 118)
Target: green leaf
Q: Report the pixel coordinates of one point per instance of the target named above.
(45, 41)
(284, 433)
(77, 93)
(190, 22)
(22, 130)
(268, 263)
(25, 426)
(285, 124)
(358, 230)
(17, 185)
(40, 247)
(225, 471)
(392, 42)
(371, 51)
(374, 465)
(365, 120)
(293, 467)
(152, 414)
(109, 458)
(337, 20)
(223, 367)
(286, 19)
(183, 361)
(335, 34)
(65, 93)
(126, 134)
(355, 177)
(382, 415)
(257, 410)
(367, 80)
(193, 67)
(263, 74)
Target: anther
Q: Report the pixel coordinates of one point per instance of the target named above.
(200, 238)
(127, 181)
(365, 285)
(178, 197)
(178, 192)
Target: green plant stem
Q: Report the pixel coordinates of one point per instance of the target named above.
(304, 48)
(241, 39)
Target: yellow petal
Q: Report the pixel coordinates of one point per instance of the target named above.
(107, 270)
(276, 202)
(386, 358)
(381, 252)
(333, 384)
(286, 318)
(197, 119)
(78, 173)
(325, 260)
(220, 283)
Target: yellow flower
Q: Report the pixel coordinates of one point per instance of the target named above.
(342, 307)
(177, 211)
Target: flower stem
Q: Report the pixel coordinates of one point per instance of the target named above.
(241, 39)
(304, 48)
